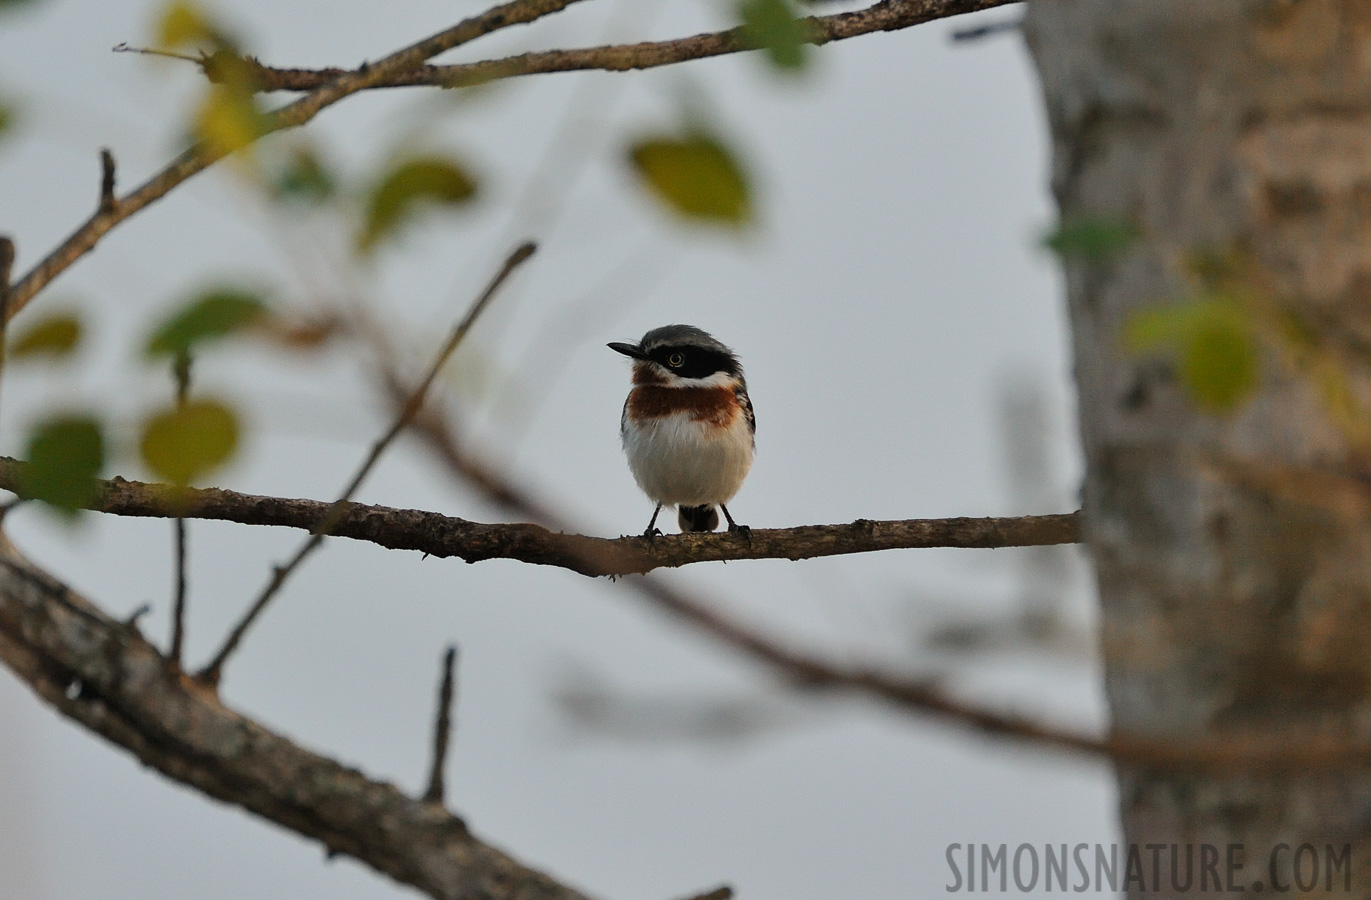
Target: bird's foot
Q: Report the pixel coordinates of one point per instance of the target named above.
(744, 530)
(652, 533)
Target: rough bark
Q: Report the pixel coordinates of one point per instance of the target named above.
(449, 536)
(1233, 552)
(102, 674)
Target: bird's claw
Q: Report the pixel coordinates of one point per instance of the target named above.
(744, 530)
(652, 534)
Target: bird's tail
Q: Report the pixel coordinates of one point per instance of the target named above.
(697, 518)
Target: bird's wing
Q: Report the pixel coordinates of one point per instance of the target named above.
(740, 392)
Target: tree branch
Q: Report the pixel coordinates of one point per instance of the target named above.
(408, 410)
(888, 15)
(103, 675)
(448, 536)
(1248, 752)
(113, 211)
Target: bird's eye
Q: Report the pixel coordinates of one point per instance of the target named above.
(675, 360)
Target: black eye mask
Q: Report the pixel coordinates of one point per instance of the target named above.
(697, 361)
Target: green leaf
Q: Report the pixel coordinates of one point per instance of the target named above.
(6, 117)
(55, 336)
(304, 179)
(773, 26)
(1092, 238)
(182, 444)
(410, 186)
(1214, 343)
(696, 176)
(65, 454)
(210, 316)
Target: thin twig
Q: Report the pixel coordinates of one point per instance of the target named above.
(722, 892)
(178, 608)
(6, 266)
(132, 620)
(108, 200)
(123, 47)
(988, 30)
(442, 727)
(887, 15)
(200, 157)
(181, 372)
(211, 673)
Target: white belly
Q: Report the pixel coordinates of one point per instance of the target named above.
(681, 462)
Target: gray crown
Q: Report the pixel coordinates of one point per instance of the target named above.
(681, 336)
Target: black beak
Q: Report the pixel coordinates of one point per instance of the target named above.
(633, 350)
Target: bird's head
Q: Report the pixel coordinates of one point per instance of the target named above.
(681, 356)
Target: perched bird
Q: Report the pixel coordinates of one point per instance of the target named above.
(687, 425)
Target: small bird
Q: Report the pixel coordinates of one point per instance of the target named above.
(687, 425)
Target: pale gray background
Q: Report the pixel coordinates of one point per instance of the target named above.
(893, 291)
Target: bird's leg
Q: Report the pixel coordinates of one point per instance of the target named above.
(734, 526)
(652, 529)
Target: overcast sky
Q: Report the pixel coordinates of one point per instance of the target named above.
(891, 299)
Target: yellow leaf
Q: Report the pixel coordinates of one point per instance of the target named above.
(182, 444)
(697, 177)
(182, 23)
(228, 119)
(1219, 362)
(1340, 399)
(1214, 343)
(55, 336)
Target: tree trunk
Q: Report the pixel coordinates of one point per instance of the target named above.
(1233, 550)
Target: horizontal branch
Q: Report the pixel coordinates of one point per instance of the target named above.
(446, 536)
(102, 674)
(888, 15)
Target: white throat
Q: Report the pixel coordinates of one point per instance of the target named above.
(672, 380)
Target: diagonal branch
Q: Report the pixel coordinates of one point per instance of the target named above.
(448, 536)
(112, 211)
(888, 15)
(1248, 752)
(102, 674)
(408, 410)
